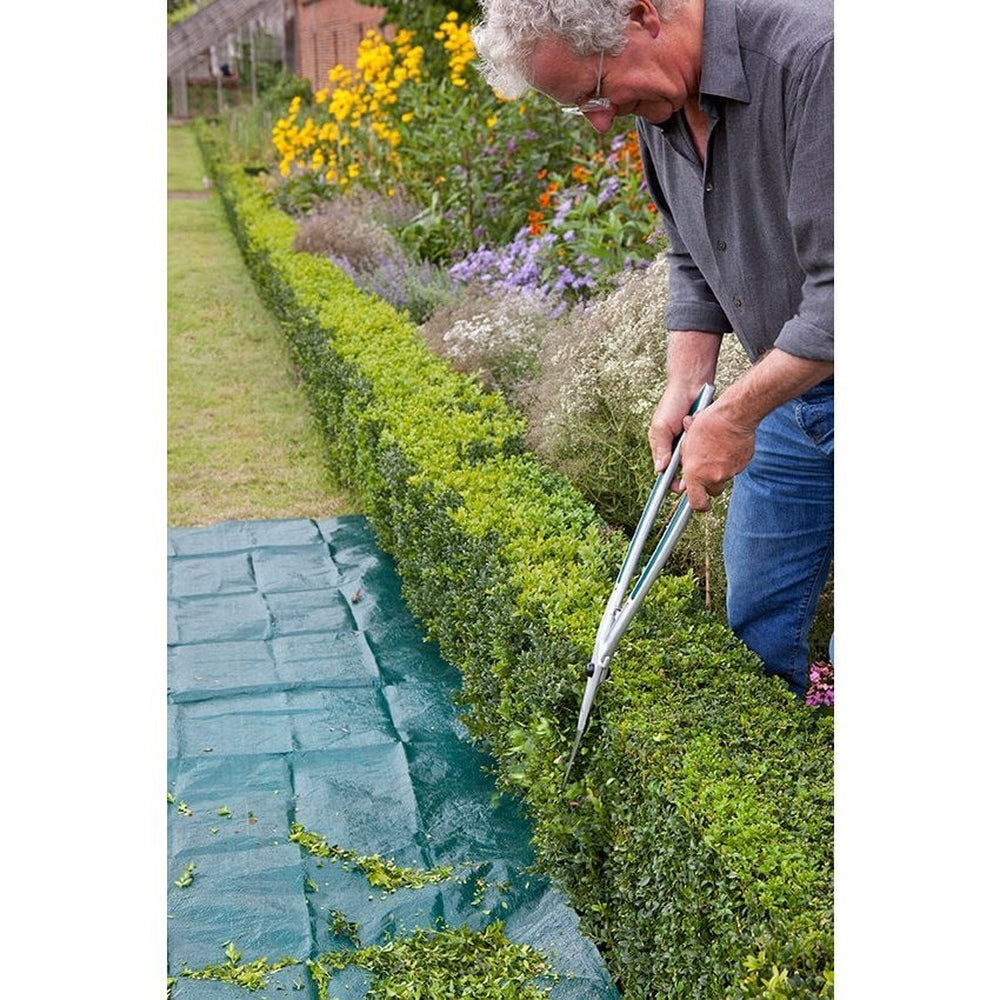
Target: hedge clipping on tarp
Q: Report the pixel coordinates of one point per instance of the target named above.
(330, 827)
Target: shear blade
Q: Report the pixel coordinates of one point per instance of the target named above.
(572, 757)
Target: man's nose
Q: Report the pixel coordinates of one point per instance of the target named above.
(601, 119)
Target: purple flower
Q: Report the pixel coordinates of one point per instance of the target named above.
(609, 189)
(820, 692)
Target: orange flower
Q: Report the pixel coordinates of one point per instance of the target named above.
(536, 225)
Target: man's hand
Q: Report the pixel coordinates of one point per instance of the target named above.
(719, 441)
(692, 357)
(666, 425)
(715, 448)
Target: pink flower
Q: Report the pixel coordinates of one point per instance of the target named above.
(820, 691)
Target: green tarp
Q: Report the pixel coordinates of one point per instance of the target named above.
(302, 697)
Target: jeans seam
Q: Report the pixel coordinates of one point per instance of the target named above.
(812, 597)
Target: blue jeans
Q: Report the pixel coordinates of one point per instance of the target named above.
(778, 544)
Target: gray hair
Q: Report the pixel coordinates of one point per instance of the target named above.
(511, 30)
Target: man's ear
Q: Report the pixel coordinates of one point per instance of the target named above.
(645, 16)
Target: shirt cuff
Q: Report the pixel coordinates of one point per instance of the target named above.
(804, 340)
(705, 316)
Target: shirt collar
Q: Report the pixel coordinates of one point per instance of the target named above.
(721, 62)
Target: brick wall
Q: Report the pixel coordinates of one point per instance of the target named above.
(328, 33)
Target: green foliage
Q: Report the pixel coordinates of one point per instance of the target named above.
(180, 10)
(695, 835)
(450, 964)
(341, 927)
(186, 879)
(249, 975)
(278, 87)
(382, 873)
(478, 165)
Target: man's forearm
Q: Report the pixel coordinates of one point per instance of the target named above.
(691, 359)
(776, 378)
(720, 440)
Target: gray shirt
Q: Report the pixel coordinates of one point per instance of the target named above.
(751, 232)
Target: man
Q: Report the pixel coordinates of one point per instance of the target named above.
(733, 102)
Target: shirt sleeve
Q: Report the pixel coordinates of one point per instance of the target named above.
(809, 333)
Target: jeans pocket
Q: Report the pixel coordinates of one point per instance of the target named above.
(815, 418)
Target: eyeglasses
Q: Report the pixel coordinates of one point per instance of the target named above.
(596, 103)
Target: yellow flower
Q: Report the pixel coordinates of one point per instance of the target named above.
(357, 116)
(457, 40)
(340, 75)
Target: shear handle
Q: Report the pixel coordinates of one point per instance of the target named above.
(642, 531)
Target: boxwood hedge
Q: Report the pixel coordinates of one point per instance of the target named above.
(695, 837)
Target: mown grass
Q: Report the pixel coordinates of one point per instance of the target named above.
(242, 444)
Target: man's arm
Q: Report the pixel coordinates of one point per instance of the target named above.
(692, 356)
(720, 440)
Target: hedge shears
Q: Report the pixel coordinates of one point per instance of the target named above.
(621, 607)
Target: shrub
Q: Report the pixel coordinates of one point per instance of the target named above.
(497, 339)
(356, 235)
(278, 87)
(349, 230)
(587, 381)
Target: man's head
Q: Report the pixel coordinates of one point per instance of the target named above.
(511, 30)
(642, 56)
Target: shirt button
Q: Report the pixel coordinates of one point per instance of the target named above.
(720, 245)
(708, 185)
(737, 301)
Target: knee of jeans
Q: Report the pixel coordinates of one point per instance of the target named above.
(773, 633)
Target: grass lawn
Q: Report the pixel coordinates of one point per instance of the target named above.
(242, 444)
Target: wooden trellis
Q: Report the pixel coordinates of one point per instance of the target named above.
(204, 45)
